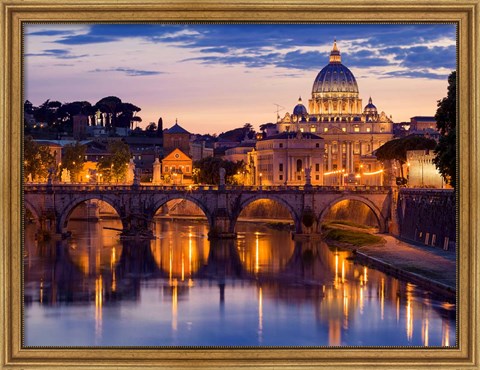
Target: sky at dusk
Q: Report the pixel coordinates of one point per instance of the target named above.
(214, 78)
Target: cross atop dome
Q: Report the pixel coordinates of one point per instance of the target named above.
(335, 54)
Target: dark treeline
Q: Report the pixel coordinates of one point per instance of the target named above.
(54, 116)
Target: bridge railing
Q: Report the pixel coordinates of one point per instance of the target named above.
(81, 187)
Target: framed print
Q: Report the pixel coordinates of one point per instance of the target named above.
(239, 185)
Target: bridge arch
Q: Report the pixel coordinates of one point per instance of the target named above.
(382, 222)
(245, 202)
(66, 212)
(158, 203)
(33, 210)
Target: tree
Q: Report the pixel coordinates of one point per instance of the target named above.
(47, 112)
(446, 117)
(67, 111)
(396, 149)
(151, 129)
(113, 167)
(238, 134)
(37, 160)
(73, 159)
(120, 114)
(207, 170)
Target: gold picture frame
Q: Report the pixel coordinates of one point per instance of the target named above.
(465, 13)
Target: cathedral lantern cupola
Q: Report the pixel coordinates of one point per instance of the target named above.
(335, 95)
(370, 111)
(335, 54)
(300, 112)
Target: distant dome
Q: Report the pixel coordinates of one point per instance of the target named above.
(370, 108)
(335, 77)
(300, 109)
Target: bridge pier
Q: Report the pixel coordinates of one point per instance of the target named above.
(220, 227)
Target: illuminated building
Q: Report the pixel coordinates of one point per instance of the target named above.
(351, 134)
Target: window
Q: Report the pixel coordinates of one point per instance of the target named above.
(280, 177)
(299, 165)
(313, 129)
(317, 167)
(280, 167)
(187, 169)
(280, 145)
(344, 129)
(368, 129)
(356, 148)
(317, 177)
(166, 168)
(325, 129)
(317, 145)
(172, 168)
(302, 129)
(382, 129)
(356, 129)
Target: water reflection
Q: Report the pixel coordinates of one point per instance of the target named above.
(180, 289)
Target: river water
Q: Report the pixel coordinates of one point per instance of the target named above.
(262, 289)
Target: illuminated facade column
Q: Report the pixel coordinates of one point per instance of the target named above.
(329, 157)
(352, 164)
(290, 168)
(347, 156)
(339, 155)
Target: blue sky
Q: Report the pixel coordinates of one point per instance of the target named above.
(217, 77)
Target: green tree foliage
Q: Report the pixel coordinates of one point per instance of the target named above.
(207, 170)
(113, 166)
(396, 149)
(238, 134)
(120, 114)
(67, 111)
(73, 159)
(37, 160)
(47, 112)
(446, 117)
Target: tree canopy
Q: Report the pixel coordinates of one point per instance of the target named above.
(113, 167)
(37, 160)
(238, 134)
(58, 117)
(446, 117)
(73, 159)
(207, 170)
(397, 149)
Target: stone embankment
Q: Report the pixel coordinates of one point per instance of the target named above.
(429, 267)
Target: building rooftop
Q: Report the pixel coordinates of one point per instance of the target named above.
(293, 135)
(177, 129)
(423, 118)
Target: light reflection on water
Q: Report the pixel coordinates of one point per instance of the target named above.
(182, 290)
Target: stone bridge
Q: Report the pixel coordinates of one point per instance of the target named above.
(52, 204)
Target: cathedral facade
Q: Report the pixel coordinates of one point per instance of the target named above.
(351, 131)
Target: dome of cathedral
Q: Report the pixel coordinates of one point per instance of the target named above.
(300, 109)
(370, 107)
(335, 77)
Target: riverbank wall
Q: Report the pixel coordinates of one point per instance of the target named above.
(427, 217)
